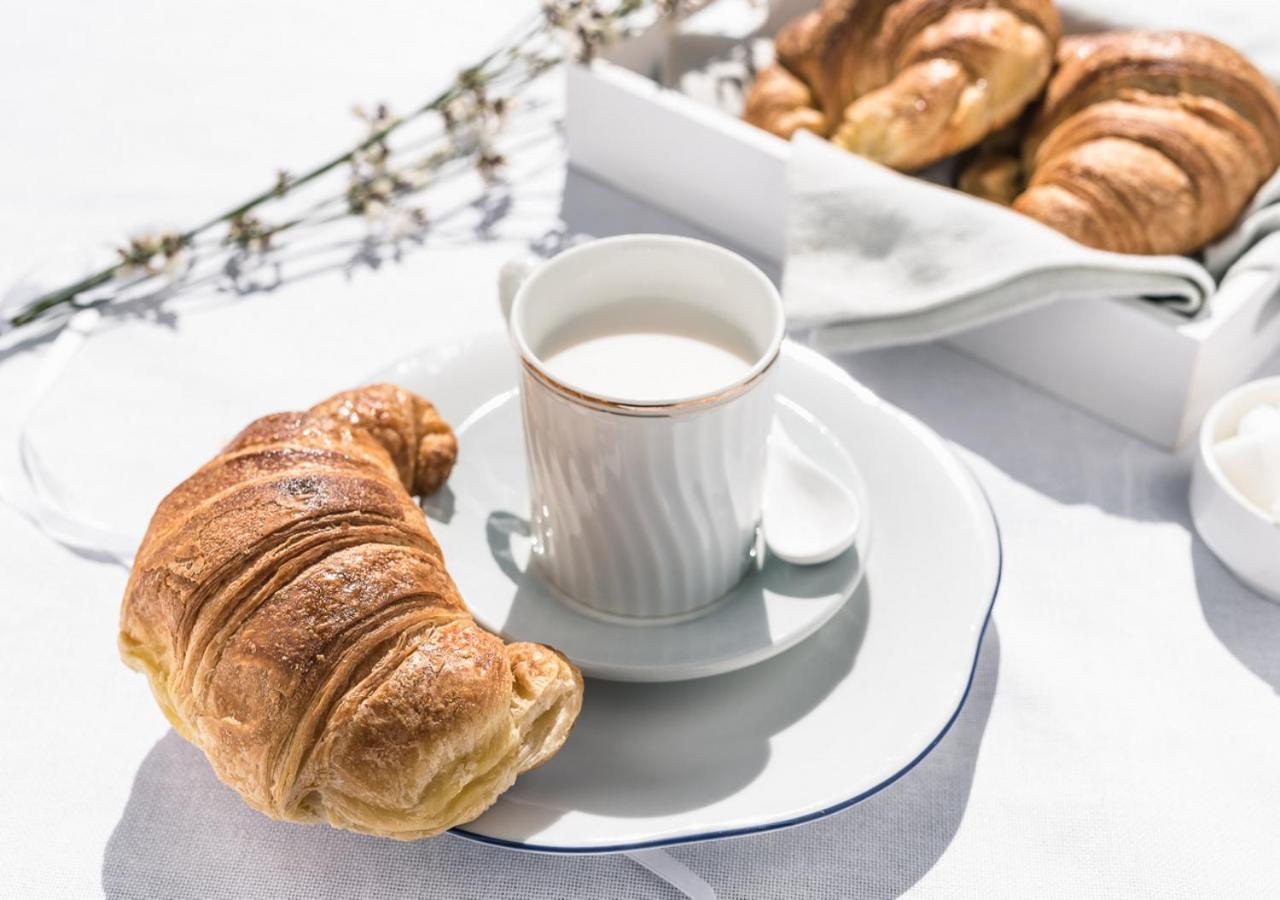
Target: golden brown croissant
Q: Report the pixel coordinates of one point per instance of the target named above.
(906, 82)
(1146, 143)
(294, 616)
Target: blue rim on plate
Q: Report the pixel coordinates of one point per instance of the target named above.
(809, 816)
(946, 713)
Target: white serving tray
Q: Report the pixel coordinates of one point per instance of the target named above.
(1137, 365)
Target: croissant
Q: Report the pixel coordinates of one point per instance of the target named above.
(294, 616)
(1146, 143)
(906, 82)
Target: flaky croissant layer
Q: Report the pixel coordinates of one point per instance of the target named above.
(906, 82)
(294, 616)
(1147, 142)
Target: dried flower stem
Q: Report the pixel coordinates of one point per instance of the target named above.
(588, 24)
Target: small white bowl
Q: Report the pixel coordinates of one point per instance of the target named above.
(1239, 534)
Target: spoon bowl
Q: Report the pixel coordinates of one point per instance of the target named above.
(809, 516)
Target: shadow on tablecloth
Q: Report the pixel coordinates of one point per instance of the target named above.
(1247, 623)
(882, 846)
(1076, 459)
(185, 834)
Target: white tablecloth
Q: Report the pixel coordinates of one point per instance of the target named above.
(1121, 738)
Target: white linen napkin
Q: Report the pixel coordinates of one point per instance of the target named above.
(876, 258)
(1260, 220)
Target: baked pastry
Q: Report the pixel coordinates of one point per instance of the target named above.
(906, 82)
(296, 621)
(1147, 142)
(995, 172)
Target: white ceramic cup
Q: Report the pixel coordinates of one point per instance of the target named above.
(645, 510)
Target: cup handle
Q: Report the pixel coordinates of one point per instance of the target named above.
(513, 274)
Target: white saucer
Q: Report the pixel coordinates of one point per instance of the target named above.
(481, 523)
(797, 737)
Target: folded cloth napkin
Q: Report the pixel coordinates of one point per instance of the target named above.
(876, 258)
(1260, 220)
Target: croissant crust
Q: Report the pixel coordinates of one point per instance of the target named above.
(1147, 142)
(906, 82)
(294, 616)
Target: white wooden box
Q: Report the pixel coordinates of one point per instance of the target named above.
(1137, 365)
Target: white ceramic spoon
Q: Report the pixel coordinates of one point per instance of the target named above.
(809, 517)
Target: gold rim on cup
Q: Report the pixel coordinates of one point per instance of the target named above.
(664, 409)
(660, 410)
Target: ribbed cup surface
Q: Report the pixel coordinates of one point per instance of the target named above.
(645, 516)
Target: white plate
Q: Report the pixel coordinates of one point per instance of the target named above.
(805, 734)
(481, 523)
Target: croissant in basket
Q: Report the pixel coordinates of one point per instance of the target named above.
(296, 621)
(1146, 142)
(906, 82)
